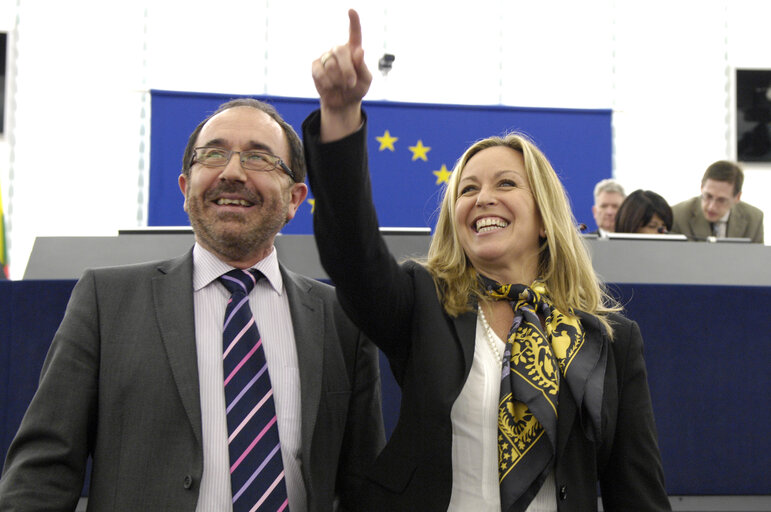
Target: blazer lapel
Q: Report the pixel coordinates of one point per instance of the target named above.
(699, 225)
(737, 224)
(307, 313)
(566, 416)
(173, 299)
(465, 326)
(567, 409)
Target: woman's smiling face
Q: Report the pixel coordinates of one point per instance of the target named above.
(496, 216)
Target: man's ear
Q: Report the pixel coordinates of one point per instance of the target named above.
(298, 192)
(183, 187)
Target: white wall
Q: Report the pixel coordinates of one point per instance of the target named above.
(74, 162)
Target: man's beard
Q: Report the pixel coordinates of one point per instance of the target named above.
(233, 236)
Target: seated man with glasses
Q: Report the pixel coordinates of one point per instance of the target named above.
(719, 211)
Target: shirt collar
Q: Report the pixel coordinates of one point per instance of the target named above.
(207, 268)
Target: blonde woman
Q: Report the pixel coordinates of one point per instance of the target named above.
(522, 387)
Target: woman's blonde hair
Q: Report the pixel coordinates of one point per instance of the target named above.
(564, 263)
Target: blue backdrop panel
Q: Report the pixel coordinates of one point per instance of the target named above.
(707, 351)
(409, 173)
(29, 316)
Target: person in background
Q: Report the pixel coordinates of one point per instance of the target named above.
(719, 210)
(150, 378)
(608, 196)
(522, 387)
(644, 211)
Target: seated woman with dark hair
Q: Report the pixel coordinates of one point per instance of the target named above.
(644, 211)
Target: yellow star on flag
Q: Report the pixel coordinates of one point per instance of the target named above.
(386, 141)
(442, 175)
(419, 151)
(312, 202)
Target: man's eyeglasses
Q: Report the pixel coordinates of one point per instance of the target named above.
(720, 201)
(251, 160)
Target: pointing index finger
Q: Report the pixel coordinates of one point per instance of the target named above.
(354, 31)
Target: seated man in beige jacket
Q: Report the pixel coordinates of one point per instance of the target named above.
(719, 211)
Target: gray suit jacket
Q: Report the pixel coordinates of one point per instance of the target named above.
(120, 383)
(745, 221)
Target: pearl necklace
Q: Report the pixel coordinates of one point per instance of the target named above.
(489, 336)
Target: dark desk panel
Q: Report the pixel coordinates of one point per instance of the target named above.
(707, 350)
(30, 312)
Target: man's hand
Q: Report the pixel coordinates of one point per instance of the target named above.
(342, 79)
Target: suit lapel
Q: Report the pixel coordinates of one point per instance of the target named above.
(307, 313)
(566, 415)
(699, 225)
(173, 299)
(567, 409)
(737, 224)
(465, 326)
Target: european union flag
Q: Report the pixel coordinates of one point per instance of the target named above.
(412, 149)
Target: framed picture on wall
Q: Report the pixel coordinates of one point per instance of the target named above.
(753, 115)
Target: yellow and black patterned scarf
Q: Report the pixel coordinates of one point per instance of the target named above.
(533, 363)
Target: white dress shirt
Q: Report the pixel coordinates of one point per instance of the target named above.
(270, 307)
(474, 418)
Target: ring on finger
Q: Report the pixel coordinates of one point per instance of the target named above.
(325, 58)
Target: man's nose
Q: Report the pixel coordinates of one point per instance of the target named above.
(233, 169)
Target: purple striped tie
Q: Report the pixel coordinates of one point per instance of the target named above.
(256, 469)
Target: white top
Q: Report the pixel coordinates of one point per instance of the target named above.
(270, 307)
(474, 437)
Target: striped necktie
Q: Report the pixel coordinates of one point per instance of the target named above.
(256, 469)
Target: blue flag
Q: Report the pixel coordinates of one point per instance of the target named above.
(412, 150)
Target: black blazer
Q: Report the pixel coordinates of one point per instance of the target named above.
(431, 353)
(120, 383)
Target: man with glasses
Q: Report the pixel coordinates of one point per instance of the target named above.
(137, 377)
(719, 211)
